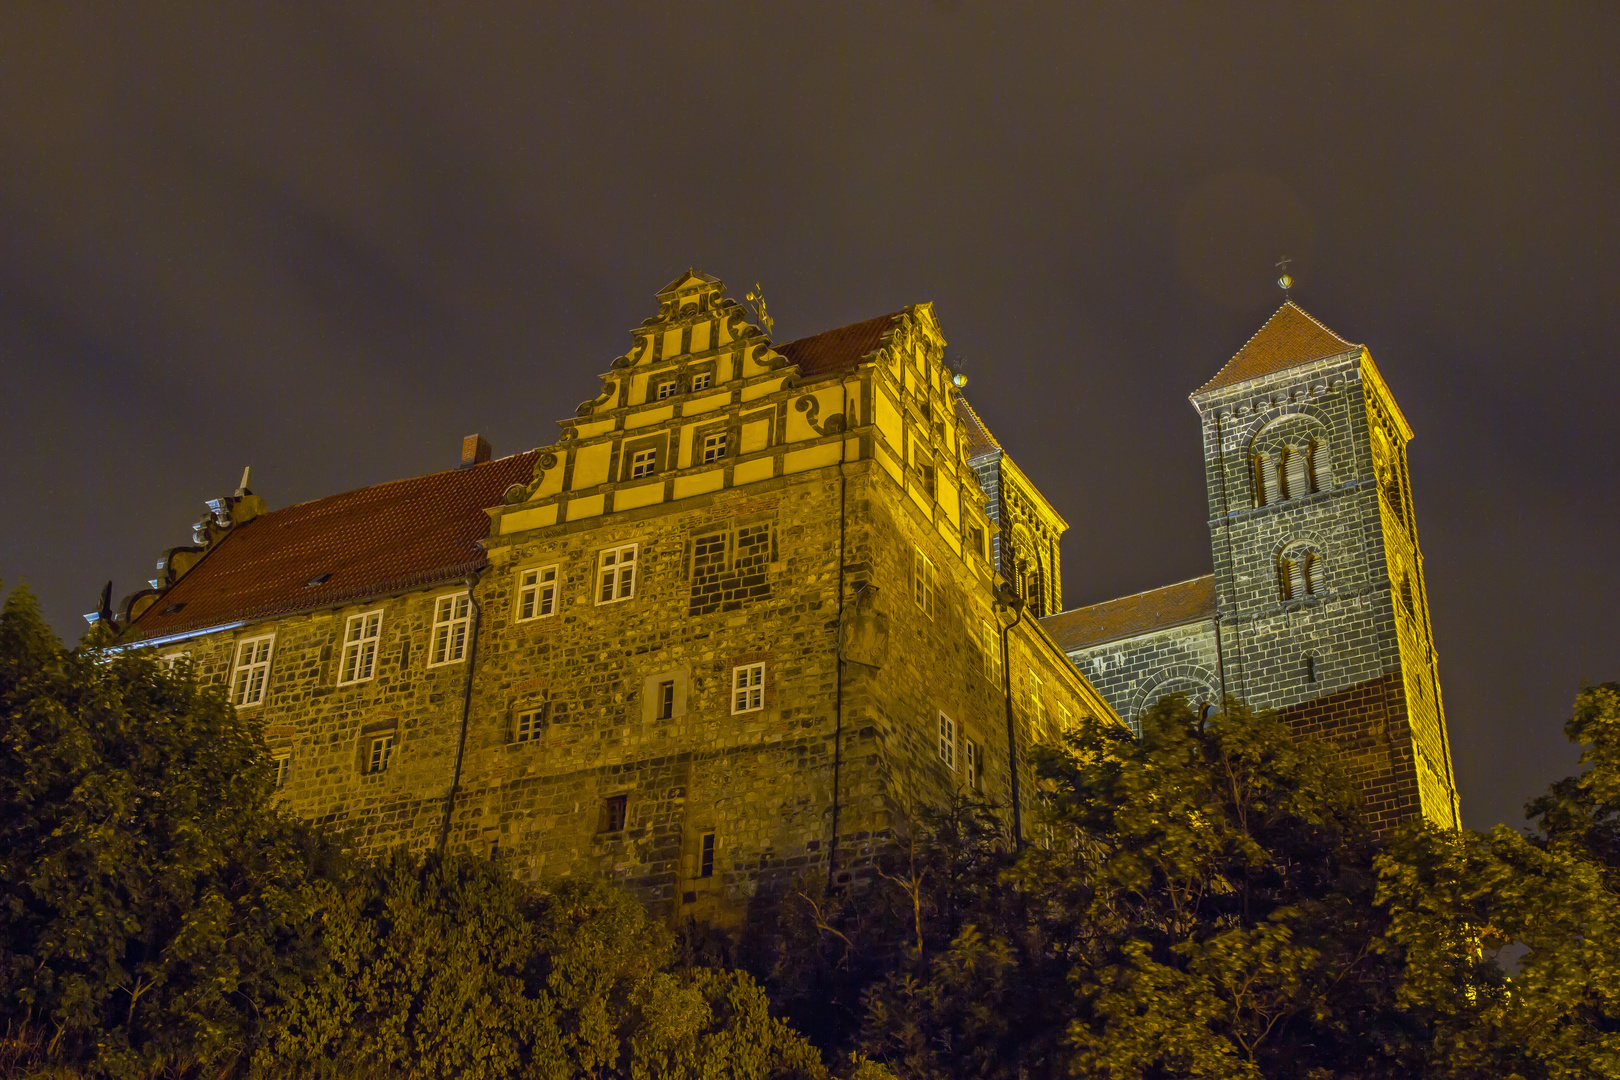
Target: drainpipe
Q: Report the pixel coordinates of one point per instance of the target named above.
(1009, 598)
(466, 707)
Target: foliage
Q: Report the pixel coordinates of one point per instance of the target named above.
(448, 967)
(150, 900)
(1513, 941)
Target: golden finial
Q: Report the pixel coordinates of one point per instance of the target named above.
(756, 296)
(1285, 282)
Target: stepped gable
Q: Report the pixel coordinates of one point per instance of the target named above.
(980, 441)
(399, 535)
(1157, 609)
(1289, 338)
(833, 351)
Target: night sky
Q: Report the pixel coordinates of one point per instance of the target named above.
(330, 245)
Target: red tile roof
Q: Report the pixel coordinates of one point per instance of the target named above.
(1156, 609)
(1289, 338)
(374, 541)
(837, 350)
(980, 441)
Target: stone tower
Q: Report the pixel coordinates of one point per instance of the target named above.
(1317, 606)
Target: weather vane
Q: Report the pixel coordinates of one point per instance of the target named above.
(756, 296)
(1284, 281)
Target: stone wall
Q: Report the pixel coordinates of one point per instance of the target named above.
(1133, 673)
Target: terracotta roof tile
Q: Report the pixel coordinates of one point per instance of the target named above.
(1289, 338)
(837, 350)
(374, 541)
(1156, 609)
(980, 441)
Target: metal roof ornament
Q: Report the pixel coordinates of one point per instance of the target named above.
(1284, 282)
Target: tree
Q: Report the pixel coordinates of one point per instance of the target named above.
(1512, 940)
(151, 902)
(448, 967)
(1196, 902)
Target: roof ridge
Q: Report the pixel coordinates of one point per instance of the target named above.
(401, 480)
(1132, 596)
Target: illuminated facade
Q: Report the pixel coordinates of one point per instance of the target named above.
(1318, 605)
(732, 630)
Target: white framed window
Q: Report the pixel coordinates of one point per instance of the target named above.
(947, 741)
(360, 648)
(992, 653)
(1037, 705)
(252, 670)
(451, 615)
(537, 593)
(381, 752)
(748, 688)
(703, 380)
(666, 389)
(644, 463)
(973, 760)
(529, 724)
(616, 574)
(1065, 720)
(283, 762)
(714, 447)
(170, 661)
(922, 581)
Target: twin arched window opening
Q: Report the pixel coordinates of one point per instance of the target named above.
(1289, 472)
(1299, 573)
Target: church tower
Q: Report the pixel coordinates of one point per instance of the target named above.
(1321, 606)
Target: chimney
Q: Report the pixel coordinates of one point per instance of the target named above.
(474, 450)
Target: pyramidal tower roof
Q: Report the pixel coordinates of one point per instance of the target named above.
(1289, 338)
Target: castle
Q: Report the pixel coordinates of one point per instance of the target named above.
(760, 605)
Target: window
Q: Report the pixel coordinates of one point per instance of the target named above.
(929, 482)
(1299, 573)
(644, 463)
(922, 581)
(382, 750)
(703, 380)
(991, 641)
(1310, 669)
(615, 812)
(714, 447)
(947, 741)
(537, 593)
(252, 670)
(283, 761)
(1313, 573)
(973, 760)
(1065, 719)
(706, 856)
(529, 724)
(1037, 706)
(1295, 472)
(170, 661)
(1264, 484)
(730, 569)
(451, 614)
(360, 648)
(748, 688)
(976, 540)
(666, 699)
(666, 389)
(616, 574)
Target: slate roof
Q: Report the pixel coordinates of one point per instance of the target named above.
(980, 441)
(374, 541)
(1289, 338)
(1156, 609)
(837, 350)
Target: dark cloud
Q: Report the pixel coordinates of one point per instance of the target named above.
(329, 244)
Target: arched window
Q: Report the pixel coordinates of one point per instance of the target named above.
(1264, 484)
(1315, 465)
(1299, 573)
